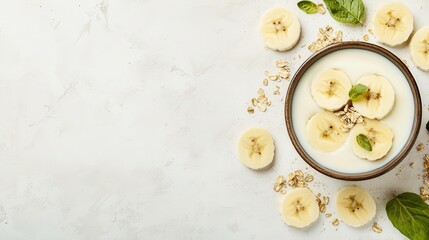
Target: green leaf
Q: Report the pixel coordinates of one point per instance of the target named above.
(357, 91)
(410, 215)
(307, 6)
(364, 142)
(346, 11)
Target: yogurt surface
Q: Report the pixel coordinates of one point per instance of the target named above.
(356, 63)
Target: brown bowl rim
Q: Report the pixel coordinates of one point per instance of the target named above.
(417, 105)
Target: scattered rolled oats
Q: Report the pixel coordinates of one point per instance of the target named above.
(412, 165)
(308, 177)
(326, 37)
(424, 191)
(280, 179)
(322, 201)
(273, 77)
(277, 187)
(280, 185)
(255, 102)
(349, 118)
(299, 179)
(335, 222)
(250, 110)
(284, 74)
(262, 102)
(376, 228)
(265, 82)
(322, 208)
(277, 92)
(281, 63)
(325, 200)
(262, 108)
(328, 215)
(420, 147)
(321, 9)
(426, 181)
(366, 37)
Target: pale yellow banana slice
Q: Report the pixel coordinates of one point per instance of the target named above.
(280, 29)
(419, 48)
(330, 89)
(256, 148)
(379, 135)
(324, 132)
(299, 208)
(393, 24)
(355, 206)
(379, 100)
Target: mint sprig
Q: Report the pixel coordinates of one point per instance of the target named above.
(410, 215)
(364, 142)
(357, 90)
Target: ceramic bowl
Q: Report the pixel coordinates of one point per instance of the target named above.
(416, 122)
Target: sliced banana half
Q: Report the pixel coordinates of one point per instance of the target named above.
(256, 148)
(419, 48)
(380, 136)
(324, 132)
(355, 206)
(378, 101)
(299, 208)
(393, 24)
(280, 29)
(330, 89)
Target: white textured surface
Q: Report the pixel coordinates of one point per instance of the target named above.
(120, 120)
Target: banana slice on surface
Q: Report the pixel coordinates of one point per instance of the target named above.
(324, 132)
(378, 101)
(393, 24)
(280, 29)
(355, 206)
(299, 208)
(330, 89)
(419, 49)
(379, 135)
(256, 148)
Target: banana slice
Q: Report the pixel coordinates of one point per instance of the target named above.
(324, 133)
(379, 135)
(419, 48)
(393, 24)
(256, 148)
(299, 208)
(280, 29)
(379, 100)
(330, 89)
(355, 206)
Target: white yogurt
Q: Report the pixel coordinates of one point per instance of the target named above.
(355, 63)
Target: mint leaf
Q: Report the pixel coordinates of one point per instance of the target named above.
(410, 215)
(308, 7)
(357, 91)
(346, 11)
(364, 142)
